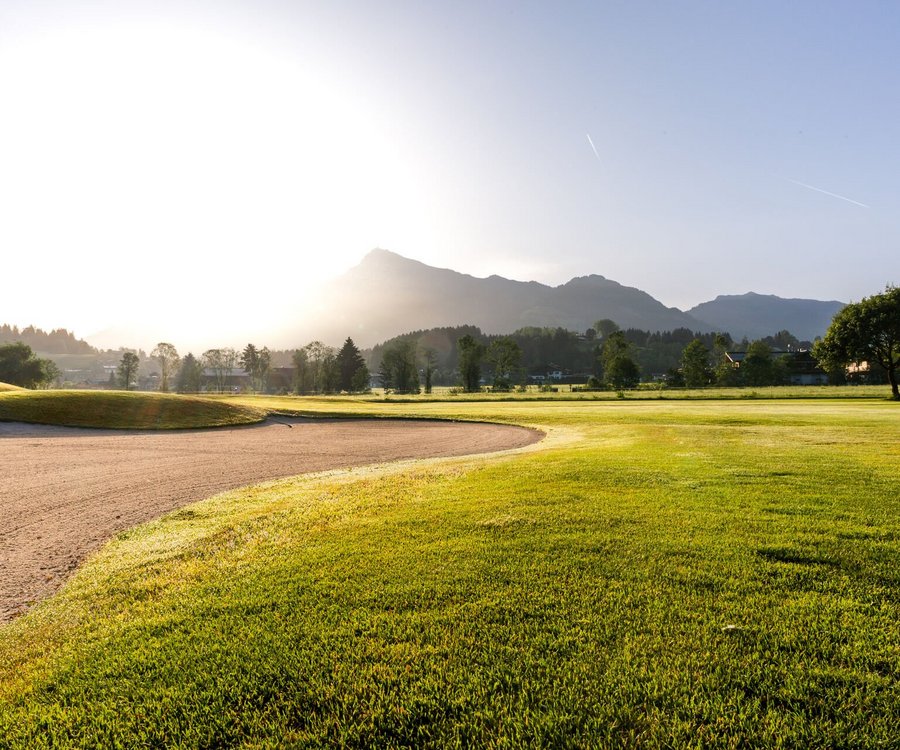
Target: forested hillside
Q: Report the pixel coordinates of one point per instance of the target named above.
(58, 341)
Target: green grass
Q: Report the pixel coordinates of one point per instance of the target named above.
(8, 387)
(656, 574)
(646, 391)
(122, 410)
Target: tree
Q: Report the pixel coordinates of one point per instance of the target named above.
(19, 366)
(360, 381)
(127, 370)
(758, 367)
(50, 373)
(167, 357)
(304, 382)
(250, 360)
(784, 340)
(221, 362)
(329, 375)
(321, 366)
(865, 331)
(470, 354)
(214, 360)
(349, 363)
(429, 359)
(623, 372)
(695, 364)
(398, 368)
(256, 363)
(505, 355)
(189, 375)
(604, 328)
(724, 371)
(263, 365)
(619, 369)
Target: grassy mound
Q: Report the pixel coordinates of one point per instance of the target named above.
(122, 410)
(656, 574)
(7, 387)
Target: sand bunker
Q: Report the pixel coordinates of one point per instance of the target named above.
(65, 491)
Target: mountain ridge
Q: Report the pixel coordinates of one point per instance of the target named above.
(752, 315)
(387, 294)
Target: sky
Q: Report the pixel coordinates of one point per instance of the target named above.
(193, 171)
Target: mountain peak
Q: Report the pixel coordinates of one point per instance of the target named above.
(755, 315)
(380, 255)
(387, 294)
(593, 279)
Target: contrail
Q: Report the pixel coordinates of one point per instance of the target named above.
(833, 195)
(593, 148)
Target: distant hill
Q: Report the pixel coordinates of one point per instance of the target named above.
(387, 294)
(58, 341)
(757, 315)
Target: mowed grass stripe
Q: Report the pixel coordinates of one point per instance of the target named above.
(676, 576)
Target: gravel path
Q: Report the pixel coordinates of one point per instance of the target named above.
(65, 491)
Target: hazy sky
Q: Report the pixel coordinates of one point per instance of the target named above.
(199, 167)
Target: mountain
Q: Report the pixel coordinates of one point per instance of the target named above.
(387, 294)
(757, 315)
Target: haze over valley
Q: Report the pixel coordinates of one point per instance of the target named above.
(386, 295)
(211, 193)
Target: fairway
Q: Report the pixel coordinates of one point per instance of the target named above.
(654, 574)
(67, 491)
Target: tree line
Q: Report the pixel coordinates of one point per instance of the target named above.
(315, 369)
(604, 356)
(19, 365)
(867, 332)
(57, 341)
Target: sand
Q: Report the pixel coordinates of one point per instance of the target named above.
(65, 491)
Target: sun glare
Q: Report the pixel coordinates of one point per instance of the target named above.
(188, 155)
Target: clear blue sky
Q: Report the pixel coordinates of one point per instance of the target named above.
(739, 146)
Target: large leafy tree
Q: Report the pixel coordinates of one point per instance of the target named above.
(256, 363)
(865, 331)
(319, 369)
(167, 357)
(505, 355)
(19, 366)
(622, 372)
(303, 374)
(429, 364)
(619, 369)
(606, 327)
(695, 364)
(128, 370)
(758, 367)
(470, 354)
(221, 362)
(216, 360)
(398, 367)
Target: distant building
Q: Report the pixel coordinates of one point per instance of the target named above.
(280, 379)
(232, 379)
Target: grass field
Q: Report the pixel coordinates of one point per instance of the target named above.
(8, 387)
(122, 410)
(647, 391)
(692, 573)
